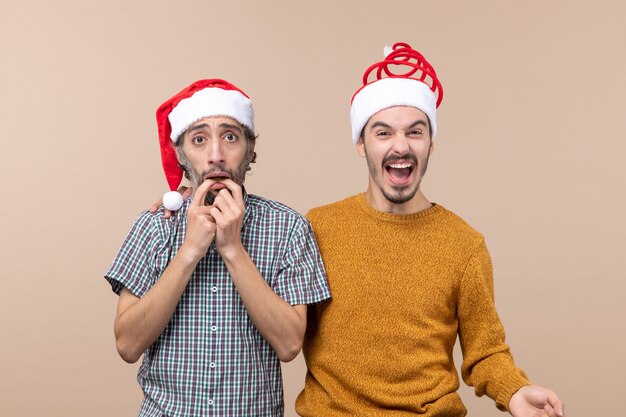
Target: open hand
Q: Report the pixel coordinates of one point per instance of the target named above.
(535, 401)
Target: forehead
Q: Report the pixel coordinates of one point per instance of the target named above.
(213, 122)
(399, 115)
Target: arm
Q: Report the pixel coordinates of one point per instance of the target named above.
(280, 323)
(140, 321)
(487, 362)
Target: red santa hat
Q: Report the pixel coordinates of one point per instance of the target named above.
(403, 78)
(203, 98)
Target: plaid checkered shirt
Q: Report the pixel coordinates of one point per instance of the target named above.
(210, 360)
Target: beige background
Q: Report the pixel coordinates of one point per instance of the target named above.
(530, 152)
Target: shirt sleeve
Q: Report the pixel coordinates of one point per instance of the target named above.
(142, 258)
(301, 276)
(487, 362)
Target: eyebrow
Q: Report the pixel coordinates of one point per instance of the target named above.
(386, 126)
(222, 125)
(198, 127)
(380, 124)
(230, 126)
(419, 122)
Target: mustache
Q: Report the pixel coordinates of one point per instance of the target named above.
(404, 157)
(217, 168)
(210, 196)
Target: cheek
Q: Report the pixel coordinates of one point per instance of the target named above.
(423, 150)
(372, 166)
(243, 153)
(377, 149)
(194, 159)
(236, 156)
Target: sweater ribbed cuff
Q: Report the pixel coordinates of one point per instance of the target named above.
(509, 387)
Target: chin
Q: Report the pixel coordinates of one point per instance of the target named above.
(401, 197)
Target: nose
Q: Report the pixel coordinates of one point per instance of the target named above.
(216, 153)
(400, 144)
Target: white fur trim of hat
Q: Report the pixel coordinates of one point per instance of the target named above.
(390, 92)
(210, 102)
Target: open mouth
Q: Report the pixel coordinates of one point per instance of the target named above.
(399, 172)
(217, 176)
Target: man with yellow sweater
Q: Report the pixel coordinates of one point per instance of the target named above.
(406, 276)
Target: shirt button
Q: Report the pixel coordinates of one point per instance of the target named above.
(214, 288)
(212, 365)
(213, 328)
(210, 402)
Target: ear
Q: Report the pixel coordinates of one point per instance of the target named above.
(250, 146)
(360, 147)
(432, 147)
(178, 150)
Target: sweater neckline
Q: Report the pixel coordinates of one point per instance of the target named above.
(363, 204)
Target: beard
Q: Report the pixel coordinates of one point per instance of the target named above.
(196, 178)
(398, 194)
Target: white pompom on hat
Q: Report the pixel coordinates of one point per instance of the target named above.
(403, 78)
(204, 98)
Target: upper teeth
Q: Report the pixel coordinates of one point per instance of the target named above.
(405, 165)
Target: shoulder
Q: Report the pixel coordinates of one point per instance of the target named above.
(147, 221)
(457, 222)
(333, 212)
(464, 234)
(274, 212)
(262, 205)
(156, 225)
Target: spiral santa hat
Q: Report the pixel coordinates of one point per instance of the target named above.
(403, 78)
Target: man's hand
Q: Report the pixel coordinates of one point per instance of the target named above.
(228, 210)
(184, 191)
(280, 323)
(200, 225)
(535, 401)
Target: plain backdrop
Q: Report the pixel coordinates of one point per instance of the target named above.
(530, 151)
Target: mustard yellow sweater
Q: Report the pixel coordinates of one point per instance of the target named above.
(403, 287)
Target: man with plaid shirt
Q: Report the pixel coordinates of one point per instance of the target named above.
(215, 296)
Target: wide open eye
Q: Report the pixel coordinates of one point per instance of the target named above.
(231, 137)
(198, 140)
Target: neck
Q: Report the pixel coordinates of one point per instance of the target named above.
(378, 201)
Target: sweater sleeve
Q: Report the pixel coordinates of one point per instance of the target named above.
(487, 362)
